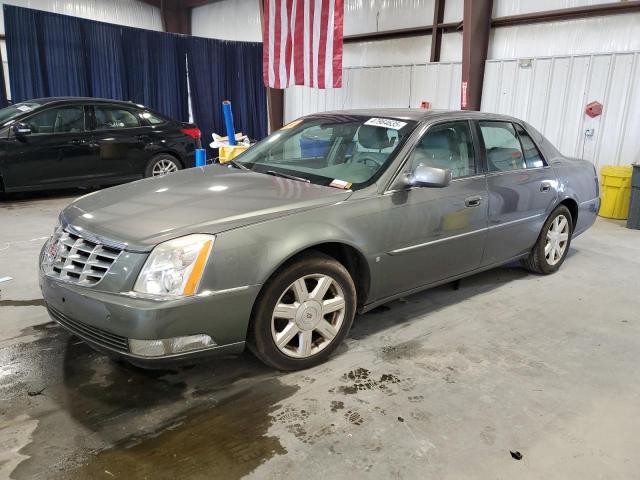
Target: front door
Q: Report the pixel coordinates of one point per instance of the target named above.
(437, 233)
(121, 139)
(522, 190)
(58, 150)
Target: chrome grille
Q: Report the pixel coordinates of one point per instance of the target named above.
(74, 259)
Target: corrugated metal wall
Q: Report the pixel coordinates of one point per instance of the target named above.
(552, 93)
(381, 87)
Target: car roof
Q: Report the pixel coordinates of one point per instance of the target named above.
(419, 114)
(48, 100)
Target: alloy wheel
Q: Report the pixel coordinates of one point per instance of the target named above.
(557, 240)
(163, 167)
(308, 316)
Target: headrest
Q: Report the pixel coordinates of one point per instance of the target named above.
(372, 137)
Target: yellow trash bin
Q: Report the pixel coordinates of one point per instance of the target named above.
(615, 191)
(228, 152)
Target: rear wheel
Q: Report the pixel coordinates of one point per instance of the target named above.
(553, 243)
(303, 313)
(161, 165)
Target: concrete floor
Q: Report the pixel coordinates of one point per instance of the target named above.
(442, 384)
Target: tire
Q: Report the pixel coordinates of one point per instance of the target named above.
(307, 334)
(542, 262)
(161, 165)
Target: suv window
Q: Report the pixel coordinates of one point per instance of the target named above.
(108, 118)
(446, 145)
(532, 156)
(504, 152)
(57, 120)
(152, 118)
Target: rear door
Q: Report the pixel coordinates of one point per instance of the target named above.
(522, 190)
(437, 233)
(121, 137)
(58, 149)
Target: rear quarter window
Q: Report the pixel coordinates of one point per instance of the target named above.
(152, 118)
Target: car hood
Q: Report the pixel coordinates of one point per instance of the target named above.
(198, 200)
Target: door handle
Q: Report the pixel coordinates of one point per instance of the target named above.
(545, 187)
(473, 201)
(75, 141)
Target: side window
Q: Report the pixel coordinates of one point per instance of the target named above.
(108, 118)
(152, 118)
(501, 143)
(446, 145)
(58, 120)
(532, 156)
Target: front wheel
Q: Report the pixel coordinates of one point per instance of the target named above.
(553, 243)
(303, 313)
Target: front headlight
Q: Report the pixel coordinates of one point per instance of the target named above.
(174, 268)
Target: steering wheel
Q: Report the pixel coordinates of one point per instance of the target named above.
(373, 161)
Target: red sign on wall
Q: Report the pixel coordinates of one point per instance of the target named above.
(463, 96)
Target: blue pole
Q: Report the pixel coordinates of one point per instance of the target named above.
(201, 157)
(228, 121)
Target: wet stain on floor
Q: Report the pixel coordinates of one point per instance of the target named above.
(224, 441)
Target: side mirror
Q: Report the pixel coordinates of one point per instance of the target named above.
(20, 129)
(423, 176)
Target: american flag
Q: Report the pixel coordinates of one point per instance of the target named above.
(302, 43)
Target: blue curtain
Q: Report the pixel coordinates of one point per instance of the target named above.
(156, 71)
(26, 76)
(220, 70)
(105, 61)
(57, 55)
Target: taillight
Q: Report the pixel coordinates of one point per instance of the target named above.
(192, 132)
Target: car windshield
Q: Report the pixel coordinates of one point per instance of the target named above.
(9, 113)
(343, 151)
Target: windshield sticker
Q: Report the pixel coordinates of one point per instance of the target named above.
(292, 124)
(386, 123)
(24, 108)
(340, 184)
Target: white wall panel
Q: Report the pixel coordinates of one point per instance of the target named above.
(366, 16)
(436, 83)
(453, 11)
(503, 8)
(614, 33)
(381, 87)
(451, 47)
(553, 92)
(228, 20)
(132, 13)
(400, 51)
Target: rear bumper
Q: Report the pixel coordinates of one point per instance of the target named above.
(587, 214)
(107, 320)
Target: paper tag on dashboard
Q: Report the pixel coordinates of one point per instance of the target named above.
(24, 108)
(386, 123)
(340, 184)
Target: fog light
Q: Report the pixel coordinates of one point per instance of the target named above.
(169, 346)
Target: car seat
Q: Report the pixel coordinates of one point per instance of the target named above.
(69, 120)
(372, 138)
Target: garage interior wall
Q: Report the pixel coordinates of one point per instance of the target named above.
(132, 13)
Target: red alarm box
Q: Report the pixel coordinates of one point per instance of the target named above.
(593, 109)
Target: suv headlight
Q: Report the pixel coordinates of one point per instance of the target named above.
(175, 267)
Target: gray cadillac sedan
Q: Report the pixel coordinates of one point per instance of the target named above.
(334, 214)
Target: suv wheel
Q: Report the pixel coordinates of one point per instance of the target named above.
(303, 313)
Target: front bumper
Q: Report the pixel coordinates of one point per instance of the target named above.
(108, 320)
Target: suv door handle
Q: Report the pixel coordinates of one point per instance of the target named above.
(75, 141)
(473, 201)
(545, 187)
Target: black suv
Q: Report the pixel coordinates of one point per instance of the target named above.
(82, 142)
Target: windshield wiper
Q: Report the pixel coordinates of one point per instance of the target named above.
(237, 165)
(286, 175)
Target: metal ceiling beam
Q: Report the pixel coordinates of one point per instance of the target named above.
(475, 41)
(436, 31)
